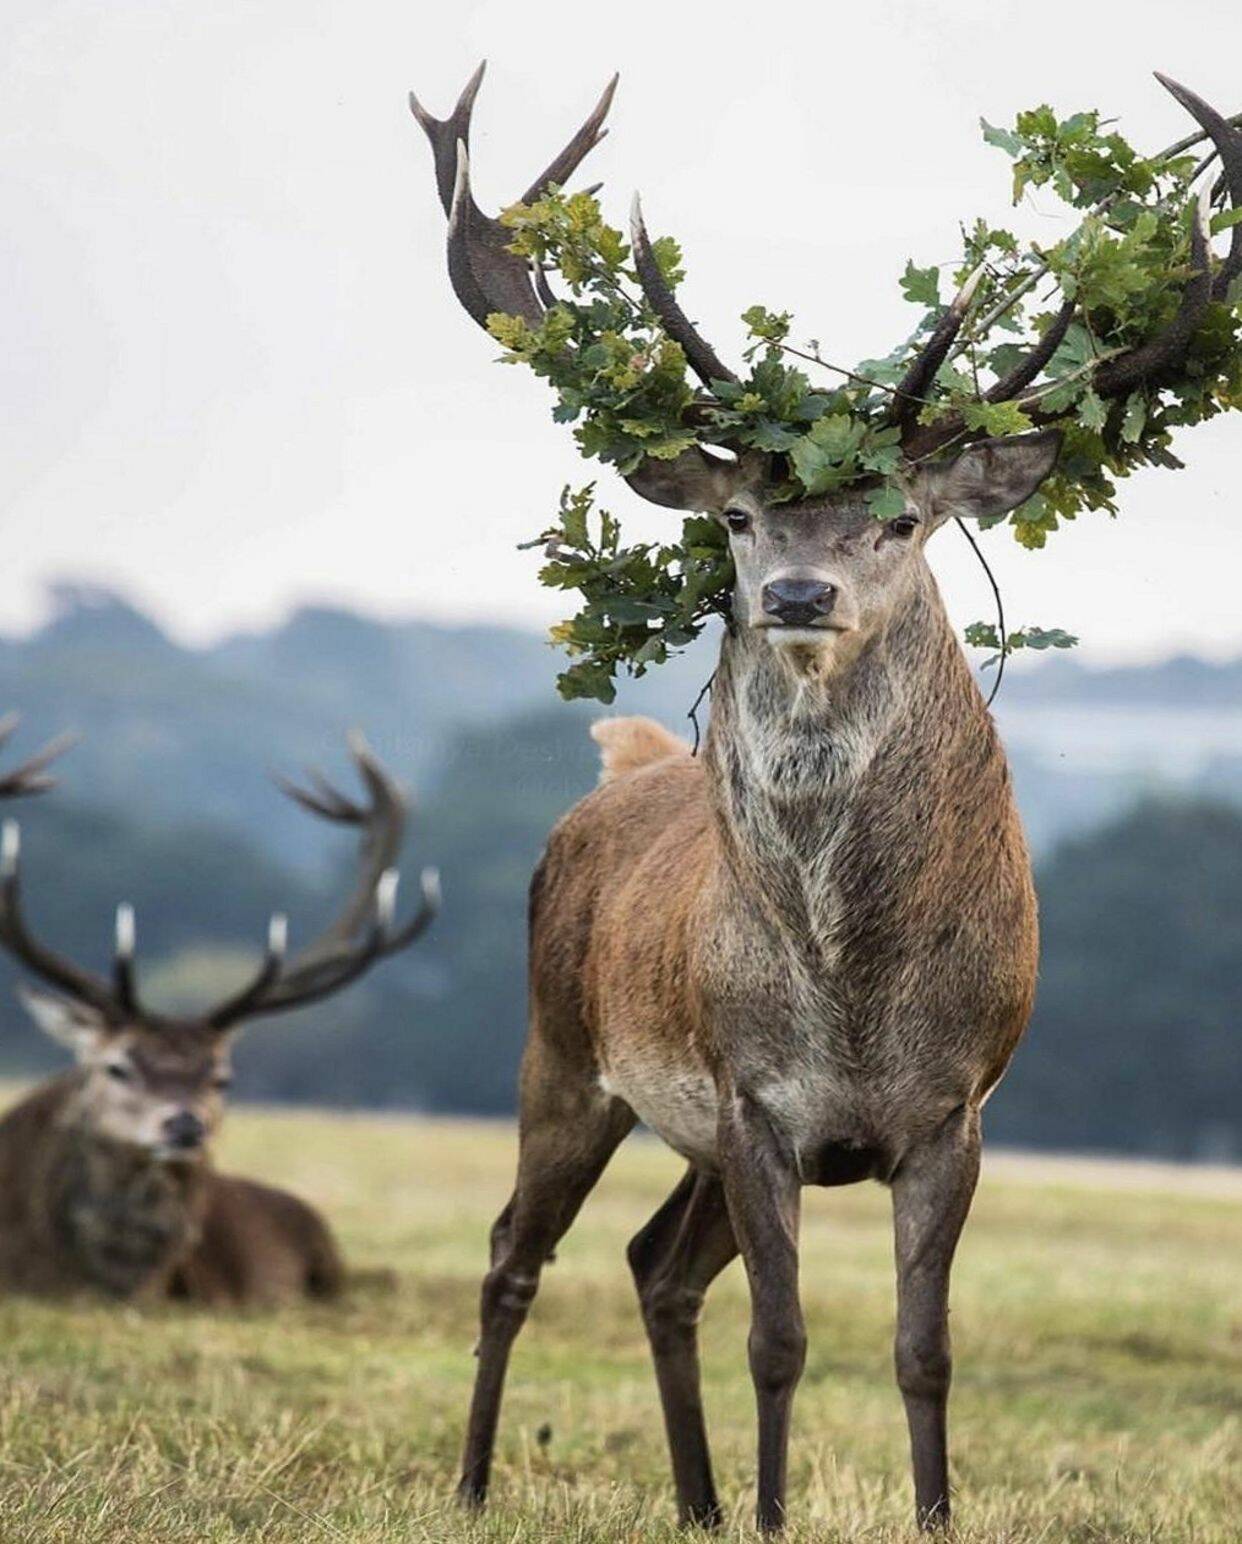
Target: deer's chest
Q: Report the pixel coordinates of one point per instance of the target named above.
(120, 1225)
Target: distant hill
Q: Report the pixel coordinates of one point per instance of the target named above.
(1173, 684)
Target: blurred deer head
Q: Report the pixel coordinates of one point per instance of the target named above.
(157, 1082)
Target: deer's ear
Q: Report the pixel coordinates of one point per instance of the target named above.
(73, 1024)
(692, 481)
(989, 479)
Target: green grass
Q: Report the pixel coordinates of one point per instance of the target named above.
(1098, 1330)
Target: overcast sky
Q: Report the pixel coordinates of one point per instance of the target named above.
(234, 376)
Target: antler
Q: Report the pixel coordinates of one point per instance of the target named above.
(365, 930)
(487, 277)
(114, 1001)
(700, 355)
(1154, 361)
(30, 777)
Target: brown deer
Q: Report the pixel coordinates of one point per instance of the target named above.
(806, 956)
(105, 1173)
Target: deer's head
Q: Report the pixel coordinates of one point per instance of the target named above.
(818, 576)
(155, 1082)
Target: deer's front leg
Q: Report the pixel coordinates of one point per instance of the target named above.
(763, 1192)
(932, 1192)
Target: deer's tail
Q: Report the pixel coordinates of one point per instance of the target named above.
(626, 744)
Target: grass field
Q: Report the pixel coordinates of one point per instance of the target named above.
(1098, 1331)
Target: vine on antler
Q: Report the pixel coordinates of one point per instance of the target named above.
(1123, 331)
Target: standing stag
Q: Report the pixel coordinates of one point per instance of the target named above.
(806, 956)
(105, 1174)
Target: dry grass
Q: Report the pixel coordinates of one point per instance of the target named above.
(1098, 1315)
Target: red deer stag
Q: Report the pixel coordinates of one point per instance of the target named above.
(105, 1173)
(806, 956)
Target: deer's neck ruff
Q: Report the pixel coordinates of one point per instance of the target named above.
(796, 759)
(121, 1218)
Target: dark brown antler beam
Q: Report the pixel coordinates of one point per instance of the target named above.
(912, 389)
(700, 355)
(1228, 143)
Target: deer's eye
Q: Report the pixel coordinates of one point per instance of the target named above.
(737, 520)
(904, 525)
(119, 1071)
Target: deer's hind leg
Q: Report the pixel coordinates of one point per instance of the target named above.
(675, 1258)
(568, 1131)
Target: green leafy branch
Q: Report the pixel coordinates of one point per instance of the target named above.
(622, 382)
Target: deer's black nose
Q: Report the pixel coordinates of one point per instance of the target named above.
(798, 602)
(184, 1131)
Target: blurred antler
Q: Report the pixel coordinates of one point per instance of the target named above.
(364, 930)
(31, 776)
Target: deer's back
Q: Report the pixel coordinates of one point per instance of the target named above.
(258, 1245)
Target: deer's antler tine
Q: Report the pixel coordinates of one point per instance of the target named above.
(387, 802)
(700, 355)
(8, 723)
(323, 798)
(1228, 143)
(445, 133)
(1168, 347)
(235, 1008)
(29, 778)
(487, 277)
(24, 947)
(428, 909)
(126, 937)
(913, 387)
(583, 142)
(1027, 369)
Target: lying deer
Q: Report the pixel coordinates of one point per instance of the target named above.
(805, 957)
(105, 1173)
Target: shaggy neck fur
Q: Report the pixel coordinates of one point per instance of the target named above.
(792, 751)
(117, 1212)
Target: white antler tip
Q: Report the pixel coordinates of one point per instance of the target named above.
(10, 847)
(386, 897)
(126, 931)
(967, 292)
(430, 883)
(278, 935)
(461, 181)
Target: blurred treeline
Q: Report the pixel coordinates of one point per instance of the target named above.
(1137, 1040)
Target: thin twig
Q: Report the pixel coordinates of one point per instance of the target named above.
(853, 375)
(1000, 609)
(693, 714)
